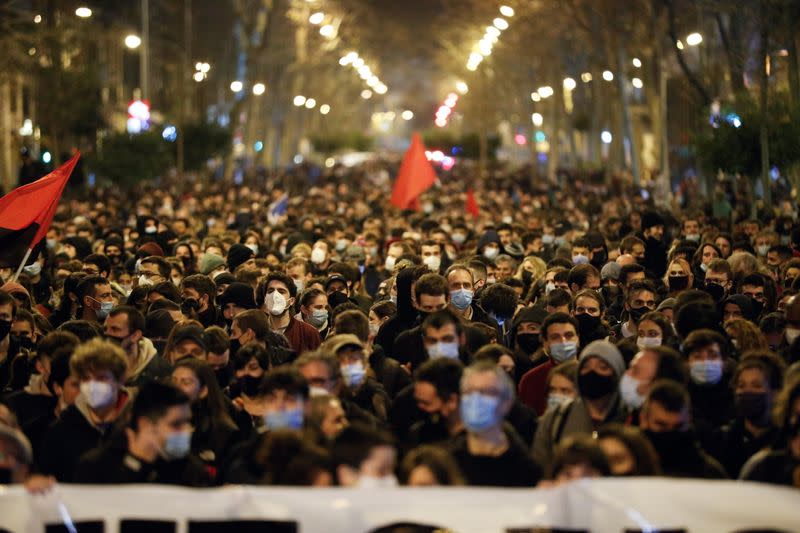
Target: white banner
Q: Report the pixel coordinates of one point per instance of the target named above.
(601, 505)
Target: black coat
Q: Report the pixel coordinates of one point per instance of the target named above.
(513, 468)
(389, 372)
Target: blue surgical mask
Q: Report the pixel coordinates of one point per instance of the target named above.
(318, 317)
(563, 351)
(439, 350)
(177, 445)
(579, 259)
(548, 239)
(105, 309)
(555, 400)
(706, 372)
(354, 374)
(288, 419)
(461, 299)
(479, 411)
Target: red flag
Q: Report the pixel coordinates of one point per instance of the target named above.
(415, 177)
(471, 205)
(27, 211)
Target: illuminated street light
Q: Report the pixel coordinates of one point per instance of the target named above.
(693, 39)
(236, 86)
(569, 84)
(485, 48)
(311, 103)
(259, 88)
(366, 94)
(637, 62)
(204, 68)
(608, 75)
(198, 77)
(317, 18)
(407, 114)
(83, 12)
(37, 19)
(537, 119)
(344, 61)
(500, 23)
(462, 87)
(133, 41)
(586, 77)
(299, 100)
(636, 82)
(545, 92)
(606, 137)
(507, 11)
(381, 89)
(679, 44)
(324, 109)
(535, 97)
(494, 32)
(327, 31)
(358, 62)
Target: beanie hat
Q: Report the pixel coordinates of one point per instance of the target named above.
(158, 324)
(151, 248)
(611, 271)
(238, 254)
(606, 351)
(210, 262)
(239, 294)
(534, 314)
(651, 219)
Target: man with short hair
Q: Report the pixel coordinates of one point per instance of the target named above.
(364, 457)
(125, 328)
(560, 342)
(666, 419)
(431, 253)
(155, 447)
(278, 292)
(505, 267)
(97, 299)
(461, 285)
(198, 295)
(718, 279)
(152, 271)
(437, 385)
(489, 452)
(100, 366)
(640, 298)
(583, 276)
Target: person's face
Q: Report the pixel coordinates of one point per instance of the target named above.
(756, 293)
(709, 254)
(334, 420)
(317, 374)
(791, 274)
(691, 227)
(280, 400)
(731, 312)
(597, 365)
(586, 305)
(231, 310)
(395, 251)
(634, 276)
(91, 269)
(504, 270)
(187, 348)
(218, 361)
(117, 326)
(648, 329)
(178, 418)
(69, 390)
(104, 376)
(655, 418)
(576, 471)
(720, 278)
(581, 250)
(620, 458)
(643, 368)
(23, 328)
(506, 362)
(505, 236)
(560, 384)
(773, 259)
(446, 333)
(529, 327)
(638, 252)
(297, 272)
(428, 401)
(320, 303)
(252, 369)
(421, 476)
(430, 304)
(657, 232)
(150, 270)
(431, 251)
(102, 294)
(710, 352)
(724, 246)
(187, 381)
(675, 269)
(6, 312)
(380, 462)
(558, 333)
(190, 293)
(487, 383)
(337, 286)
(642, 299)
(751, 380)
(349, 355)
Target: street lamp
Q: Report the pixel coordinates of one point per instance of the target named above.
(535, 97)
(608, 75)
(259, 88)
(366, 94)
(546, 91)
(236, 86)
(133, 41)
(324, 109)
(569, 84)
(299, 100)
(507, 11)
(500, 23)
(637, 62)
(83, 12)
(327, 31)
(636, 82)
(311, 103)
(381, 89)
(407, 114)
(693, 39)
(586, 77)
(462, 87)
(317, 18)
(198, 76)
(537, 119)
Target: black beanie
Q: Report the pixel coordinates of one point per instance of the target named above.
(238, 254)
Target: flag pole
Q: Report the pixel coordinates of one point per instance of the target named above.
(22, 265)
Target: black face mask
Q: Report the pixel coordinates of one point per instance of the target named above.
(587, 323)
(190, 306)
(115, 259)
(527, 276)
(716, 291)
(23, 342)
(636, 313)
(678, 283)
(528, 342)
(224, 376)
(610, 293)
(249, 385)
(599, 259)
(5, 329)
(670, 445)
(234, 347)
(758, 308)
(751, 405)
(593, 385)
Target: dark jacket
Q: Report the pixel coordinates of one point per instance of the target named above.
(390, 374)
(681, 455)
(372, 398)
(513, 468)
(734, 445)
(404, 319)
(778, 467)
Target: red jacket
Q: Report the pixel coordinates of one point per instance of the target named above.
(302, 337)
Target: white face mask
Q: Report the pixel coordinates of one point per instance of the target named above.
(644, 342)
(275, 303)
(253, 247)
(491, 253)
(791, 335)
(390, 262)
(145, 281)
(448, 350)
(97, 393)
(433, 262)
(317, 256)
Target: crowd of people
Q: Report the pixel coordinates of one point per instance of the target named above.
(300, 331)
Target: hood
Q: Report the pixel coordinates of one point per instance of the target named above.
(488, 237)
(145, 352)
(405, 279)
(37, 386)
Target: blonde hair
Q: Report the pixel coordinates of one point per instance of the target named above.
(97, 355)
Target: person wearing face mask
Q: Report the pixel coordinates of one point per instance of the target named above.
(96, 297)
(756, 383)
(679, 277)
(490, 452)
(125, 327)
(278, 292)
(640, 298)
(432, 253)
(792, 332)
(562, 385)
(198, 295)
(320, 257)
(500, 303)
(527, 340)
(600, 368)
(100, 366)
(212, 265)
(560, 343)
(628, 451)
(666, 420)
(16, 456)
(649, 365)
(436, 393)
(360, 385)
(655, 253)
(489, 245)
(364, 457)
(314, 310)
(707, 353)
(461, 284)
(588, 308)
(155, 447)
